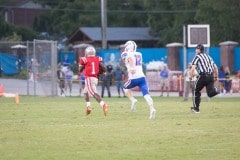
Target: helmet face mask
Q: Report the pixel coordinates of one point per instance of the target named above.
(130, 46)
(90, 51)
(124, 55)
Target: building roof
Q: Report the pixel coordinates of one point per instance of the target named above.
(32, 5)
(27, 4)
(112, 34)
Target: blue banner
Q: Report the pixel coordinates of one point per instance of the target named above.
(9, 63)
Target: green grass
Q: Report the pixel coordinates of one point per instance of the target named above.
(57, 128)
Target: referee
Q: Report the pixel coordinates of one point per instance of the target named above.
(208, 73)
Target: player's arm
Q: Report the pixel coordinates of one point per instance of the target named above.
(185, 72)
(102, 68)
(131, 63)
(81, 65)
(81, 68)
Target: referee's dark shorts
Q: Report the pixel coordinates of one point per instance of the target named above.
(204, 79)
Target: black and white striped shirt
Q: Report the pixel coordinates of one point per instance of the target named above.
(204, 63)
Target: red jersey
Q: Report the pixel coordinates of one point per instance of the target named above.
(91, 64)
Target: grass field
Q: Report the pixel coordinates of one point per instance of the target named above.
(57, 128)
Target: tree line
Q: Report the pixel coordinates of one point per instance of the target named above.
(165, 18)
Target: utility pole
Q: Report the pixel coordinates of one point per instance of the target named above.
(184, 47)
(104, 23)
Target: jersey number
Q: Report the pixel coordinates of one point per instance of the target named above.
(138, 59)
(93, 68)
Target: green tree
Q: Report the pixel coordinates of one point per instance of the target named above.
(160, 21)
(185, 12)
(5, 28)
(223, 17)
(25, 32)
(67, 16)
(126, 13)
(43, 23)
(168, 17)
(11, 32)
(164, 17)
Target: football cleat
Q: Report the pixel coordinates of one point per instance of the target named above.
(194, 110)
(152, 114)
(88, 110)
(105, 109)
(133, 105)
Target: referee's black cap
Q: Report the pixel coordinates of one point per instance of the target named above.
(201, 47)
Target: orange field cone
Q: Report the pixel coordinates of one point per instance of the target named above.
(1, 90)
(17, 98)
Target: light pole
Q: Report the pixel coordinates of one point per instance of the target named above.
(104, 23)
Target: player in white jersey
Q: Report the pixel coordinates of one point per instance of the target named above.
(136, 78)
(129, 46)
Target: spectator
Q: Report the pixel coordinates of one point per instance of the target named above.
(164, 82)
(238, 76)
(106, 78)
(221, 79)
(1, 70)
(119, 76)
(227, 82)
(110, 69)
(68, 80)
(34, 70)
(66, 61)
(61, 80)
(81, 83)
(189, 82)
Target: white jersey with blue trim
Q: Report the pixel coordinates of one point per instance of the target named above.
(133, 62)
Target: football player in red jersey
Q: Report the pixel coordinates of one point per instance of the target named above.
(92, 66)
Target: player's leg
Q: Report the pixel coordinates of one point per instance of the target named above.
(192, 87)
(167, 86)
(70, 88)
(92, 88)
(145, 92)
(127, 89)
(200, 83)
(186, 90)
(211, 90)
(121, 87)
(108, 89)
(87, 100)
(118, 85)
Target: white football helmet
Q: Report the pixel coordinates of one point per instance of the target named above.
(90, 51)
(130, 46)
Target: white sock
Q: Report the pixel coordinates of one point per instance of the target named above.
(149, 101)
(132, 98)
(88, 104)
(101, 103)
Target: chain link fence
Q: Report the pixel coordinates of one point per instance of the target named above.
(34, 62)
